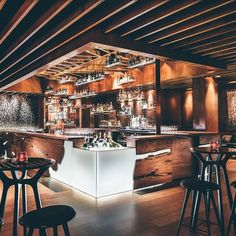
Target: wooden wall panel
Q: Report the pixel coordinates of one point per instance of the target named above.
(146, 146)
(199, 120)
(171, 107)
(182, 158)
(31, 85)
(153, 170)
(187, 110)
(211, 105)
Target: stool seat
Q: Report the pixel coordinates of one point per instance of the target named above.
(199, 185)
(48, 217)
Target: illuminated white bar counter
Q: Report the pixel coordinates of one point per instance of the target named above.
(97, 172)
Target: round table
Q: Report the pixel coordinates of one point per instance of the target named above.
(217, 158)
(18, 178)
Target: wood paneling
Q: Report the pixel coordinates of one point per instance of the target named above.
(187, 112)
(211, 105)
(182, 158)
(158, 96)
(46, 32)
(31, 85)
(199, 121)
(180, 151)
(171, 107)
(153, 170)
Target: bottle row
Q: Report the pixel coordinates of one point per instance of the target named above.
(130, 95)
(102, 108)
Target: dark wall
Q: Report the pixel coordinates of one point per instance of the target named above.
(177, 105)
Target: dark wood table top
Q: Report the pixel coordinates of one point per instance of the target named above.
(32, 163)
(220, 150)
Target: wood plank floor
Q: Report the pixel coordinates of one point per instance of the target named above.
(148, 214)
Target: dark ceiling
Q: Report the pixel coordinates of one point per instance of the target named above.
(34, 33)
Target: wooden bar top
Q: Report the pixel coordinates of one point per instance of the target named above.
(172, 134)
(45, 135)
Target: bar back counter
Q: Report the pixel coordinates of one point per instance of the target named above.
(146, 161)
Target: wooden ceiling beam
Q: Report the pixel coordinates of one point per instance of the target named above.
(128, 45)
(136, 12)
(206, 21)
(83, 42)
(178, 18)
(81, 11)
(227, 57)
(224, 53)
(220, 49)
(2, 3)
(222, 31)
(64, 37)
(226, 41)
(161, 13)
(48, 15)
(16, 19)
(73, 31)
(189, 33)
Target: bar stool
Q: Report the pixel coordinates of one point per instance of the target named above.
(202, 188)
(48, 217)
(232, 214)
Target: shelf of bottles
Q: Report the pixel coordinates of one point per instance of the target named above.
(138, 61)
(127, 78)
(90, 78)
(130, 95)
(110, 123)
(113, 60)
(49, 90)
(85, 93)
(61, 92)
(103, 108)
(59, 112)
(67, 79)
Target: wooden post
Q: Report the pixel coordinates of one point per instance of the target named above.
(199, 114)
(158, 97)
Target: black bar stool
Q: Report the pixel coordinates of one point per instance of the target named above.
(48, 217)
(204, 188)
(232, 214)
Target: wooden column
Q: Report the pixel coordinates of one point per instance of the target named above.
(199, 121)
(158, 96)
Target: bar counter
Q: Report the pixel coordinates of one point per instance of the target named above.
(145, 162)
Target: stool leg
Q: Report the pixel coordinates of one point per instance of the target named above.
(3, 199)
(227, 184)
(16, 210)
(231, 216)
(182, 210)
(216, 212)
(36, 195)
(55, 231)
(196, 210)
(66, 229)
(220, 200)
(42, 232)
(31, 231)
(24, 204)
(207, 212)
(194, 195)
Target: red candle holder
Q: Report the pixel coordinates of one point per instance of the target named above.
(22, 157)
(214, 145)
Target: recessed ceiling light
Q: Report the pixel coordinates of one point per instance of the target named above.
(232, 82)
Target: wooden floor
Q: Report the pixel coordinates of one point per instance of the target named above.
(137, 213)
